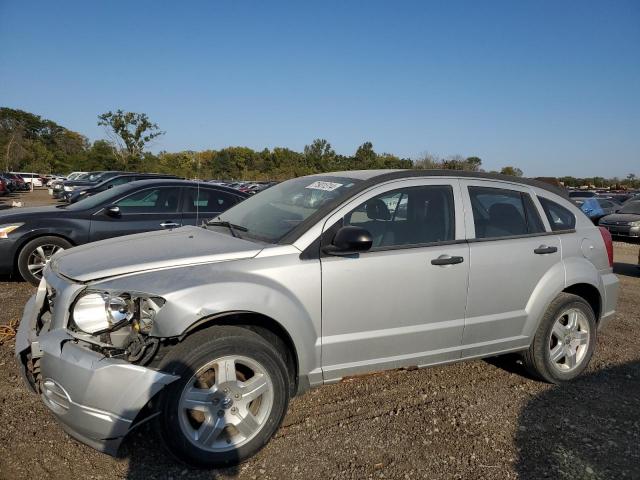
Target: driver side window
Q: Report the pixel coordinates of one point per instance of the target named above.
(407, 216)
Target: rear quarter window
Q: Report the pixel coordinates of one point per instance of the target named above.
(560, 218)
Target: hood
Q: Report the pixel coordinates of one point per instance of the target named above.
(149, 251)
(621, 217)
(22, 214)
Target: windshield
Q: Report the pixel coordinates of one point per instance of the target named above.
(631, 207)
(96, 176)
(274, 212)
(99, 198)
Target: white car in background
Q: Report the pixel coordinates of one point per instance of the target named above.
(35, 179)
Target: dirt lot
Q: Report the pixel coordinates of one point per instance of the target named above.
(481, 419)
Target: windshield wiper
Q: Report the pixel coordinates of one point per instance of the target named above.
(232, 227)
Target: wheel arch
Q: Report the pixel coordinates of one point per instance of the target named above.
(268, 328)
(590, 294)
(34, 236)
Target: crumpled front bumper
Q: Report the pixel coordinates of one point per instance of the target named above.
(95, 398)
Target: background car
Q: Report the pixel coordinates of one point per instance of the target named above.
(32, 179)
(626, 222)
(596, 207)
(86, 180)
(80, 193)
(21, 185)
(30, 236)
(9, 182)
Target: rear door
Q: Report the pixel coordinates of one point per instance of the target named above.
(153, 208)
(199, 205)
(509, 253)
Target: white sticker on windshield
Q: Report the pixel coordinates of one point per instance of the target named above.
(326, 186)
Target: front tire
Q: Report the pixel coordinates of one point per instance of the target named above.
(230, 400)
(564, 342)
(36, 254)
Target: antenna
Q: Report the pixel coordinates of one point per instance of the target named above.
(198, 190)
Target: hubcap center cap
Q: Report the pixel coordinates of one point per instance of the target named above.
(227, 402)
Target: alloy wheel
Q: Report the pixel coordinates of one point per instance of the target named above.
(40, 257)
(226, 403)
(569, 340)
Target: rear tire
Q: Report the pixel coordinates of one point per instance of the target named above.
(230, 399)
(564, 342)
(36, 254)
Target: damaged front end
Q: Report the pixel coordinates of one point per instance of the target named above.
(88, 355)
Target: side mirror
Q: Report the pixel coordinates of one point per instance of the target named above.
(113, 211)
(349, 240)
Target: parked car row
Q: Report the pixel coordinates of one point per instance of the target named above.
(604, 205)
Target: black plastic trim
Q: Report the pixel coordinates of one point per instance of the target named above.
(512, 237)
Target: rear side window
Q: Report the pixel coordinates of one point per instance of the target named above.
(559, 217)
(499, 212)
(208, 200)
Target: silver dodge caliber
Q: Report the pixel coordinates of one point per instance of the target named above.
(209, 331)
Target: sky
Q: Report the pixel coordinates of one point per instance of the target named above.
(552, 87)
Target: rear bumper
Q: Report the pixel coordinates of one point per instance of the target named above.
(611, 287)
(95, 398)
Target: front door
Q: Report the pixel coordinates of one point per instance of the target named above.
(403, 302)
(154, 208)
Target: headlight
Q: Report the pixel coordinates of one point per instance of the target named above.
(97, 312)
(68, 188)
(5, 230)
(635, 224)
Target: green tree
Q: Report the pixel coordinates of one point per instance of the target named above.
(365, 157)
(130, 132)
(511, 171)
(319, 156)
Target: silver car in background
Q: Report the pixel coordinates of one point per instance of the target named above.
(210, 331)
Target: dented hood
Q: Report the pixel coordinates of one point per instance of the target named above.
(150, 251)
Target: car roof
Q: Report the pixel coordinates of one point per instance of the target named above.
(379, 176)
(182, 183)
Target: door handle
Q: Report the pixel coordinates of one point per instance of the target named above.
(544, 250)
(447, 260)
(169, 224)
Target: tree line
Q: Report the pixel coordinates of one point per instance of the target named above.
(31, 143)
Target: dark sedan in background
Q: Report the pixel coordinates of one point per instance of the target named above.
(85, 180)
(30, 236)
(624, 223)
(82, 192)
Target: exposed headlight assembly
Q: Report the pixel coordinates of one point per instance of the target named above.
(5, 230)
(99, 312)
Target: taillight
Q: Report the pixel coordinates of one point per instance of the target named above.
(608, 242)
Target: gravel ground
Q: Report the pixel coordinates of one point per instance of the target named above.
(476, 420)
